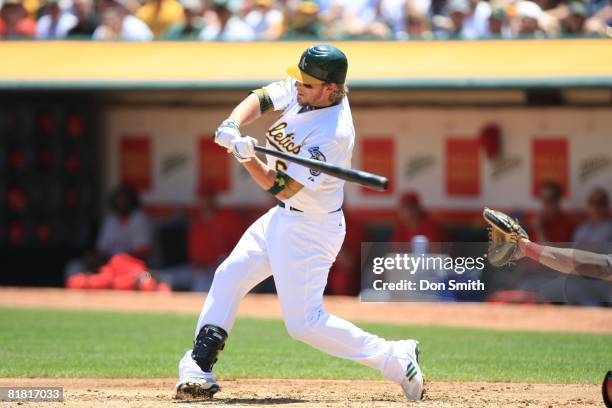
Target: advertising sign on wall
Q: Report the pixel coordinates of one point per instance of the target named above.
(136, 162)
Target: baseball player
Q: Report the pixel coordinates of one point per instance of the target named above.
(298, 240)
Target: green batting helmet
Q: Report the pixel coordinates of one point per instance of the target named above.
(320, 64)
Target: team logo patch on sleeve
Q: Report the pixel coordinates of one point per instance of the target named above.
(316, 154)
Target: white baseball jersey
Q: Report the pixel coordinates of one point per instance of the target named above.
(325, 134)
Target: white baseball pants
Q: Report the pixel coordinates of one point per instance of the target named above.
(298, 250)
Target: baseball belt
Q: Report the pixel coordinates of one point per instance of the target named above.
(282, 205)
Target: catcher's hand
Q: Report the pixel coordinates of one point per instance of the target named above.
(504, 233)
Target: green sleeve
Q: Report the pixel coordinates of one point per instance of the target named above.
(265, 102)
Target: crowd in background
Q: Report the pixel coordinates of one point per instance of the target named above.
(206, 237)
(250, 20)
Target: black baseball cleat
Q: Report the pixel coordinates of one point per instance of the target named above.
(196, 388)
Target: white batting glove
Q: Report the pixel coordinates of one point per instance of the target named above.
(226, 132)
(243, 148)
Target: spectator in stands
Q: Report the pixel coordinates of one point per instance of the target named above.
(119, 23)
(551, 224)
(160, 15)
(212, 235)
(553, 11)
(110, 27)
(598, 226)
(265, 20)
(527, 22)
(497, 24)
(353, 19)
(459, 12)
(125, 229)
(601, 22)
(14, 22)
(392, 13)
(417, 26)
(574, 23)
(87, 21)
(331, 16)
(247, 20)
(454, 26)
(226, 26)
(192, 25)
(55, 23)
(303, 22)
(413, 221)
(477, 21)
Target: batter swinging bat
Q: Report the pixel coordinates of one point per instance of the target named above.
(356, 176)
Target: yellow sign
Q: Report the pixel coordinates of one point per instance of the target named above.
(193, 65)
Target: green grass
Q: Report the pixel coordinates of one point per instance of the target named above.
(41, 343)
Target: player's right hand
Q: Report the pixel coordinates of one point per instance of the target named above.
(226, 132)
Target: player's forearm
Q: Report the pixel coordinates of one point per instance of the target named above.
(277, 183)
(552, 257)
(247, 111)
(568, 260)
(261, 173)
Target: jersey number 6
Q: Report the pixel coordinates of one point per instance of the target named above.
(281, 166)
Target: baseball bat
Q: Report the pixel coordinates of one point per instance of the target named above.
(364, 178)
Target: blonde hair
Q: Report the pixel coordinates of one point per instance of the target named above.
(339, 94)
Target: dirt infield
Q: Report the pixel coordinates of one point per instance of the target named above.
(322, 393)
(313, 393)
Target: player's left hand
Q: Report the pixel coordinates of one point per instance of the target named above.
(243, 148)
(227, 131)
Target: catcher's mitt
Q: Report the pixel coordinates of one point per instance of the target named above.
(504, 233)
